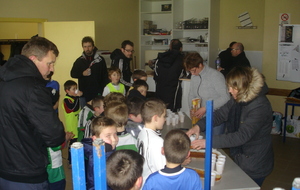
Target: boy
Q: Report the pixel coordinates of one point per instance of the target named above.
(112, 97)
(114, 75)
(71, 108)
(176, 149)
(124, 170)
(134, 124)
(98, 109)
(119, 113)
(139, 74)
(149, 141)
(140, 88)
(106, 129)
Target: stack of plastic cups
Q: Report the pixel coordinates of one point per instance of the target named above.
(220, 164)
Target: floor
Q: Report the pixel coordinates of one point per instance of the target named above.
(286, 168)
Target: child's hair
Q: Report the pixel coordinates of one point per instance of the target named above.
(134, 105)
(112, 70)
(96, 102)
(123, 168)
(152, 107)
(176, 146)
(68, 84)
(138, 83)
(138, 74)
(118, 112)
(100, 123)
(114, 96)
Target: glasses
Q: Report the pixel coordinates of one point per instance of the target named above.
(129, 51)
(234, 49)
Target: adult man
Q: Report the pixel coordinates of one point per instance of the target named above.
(121, 58)
(28, 122)
(239, 55)
(226, 59)
(90, 69)
(168, 69)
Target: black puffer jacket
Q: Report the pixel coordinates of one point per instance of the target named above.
(249, 138)
(168, 69)
(28, 123)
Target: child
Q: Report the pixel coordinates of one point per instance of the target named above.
(114, 75)
(53, 87)
(134, 124)
(106, 129)
(139, 74)
(119, 113)
(112, 97)
(98, 107)
(71, 107)
(55, 169)
(84, 119)
(124, 170)
(176, 149)
(140, 88)
(149, 141)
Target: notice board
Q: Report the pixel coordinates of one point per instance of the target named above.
(288, 66)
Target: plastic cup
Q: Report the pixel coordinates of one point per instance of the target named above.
(176, 119)
(221, 160)
(222, 156)
(181, 118)
(173, 121)
(200, 137)
(213, 164)
(168, 120)
(220, 167)
(213, 179)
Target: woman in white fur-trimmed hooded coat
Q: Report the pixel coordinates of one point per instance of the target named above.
(248, 118)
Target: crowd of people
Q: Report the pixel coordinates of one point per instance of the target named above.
(112, 104)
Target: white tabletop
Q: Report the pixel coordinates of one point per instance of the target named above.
(233, 177)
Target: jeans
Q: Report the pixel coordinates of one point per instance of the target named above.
(11, 185)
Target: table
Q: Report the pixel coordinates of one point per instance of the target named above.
(233, 176)
(288, 103)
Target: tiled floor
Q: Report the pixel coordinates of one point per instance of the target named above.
(287, 164)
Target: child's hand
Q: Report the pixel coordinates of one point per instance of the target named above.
(79, 93)
(69, 136)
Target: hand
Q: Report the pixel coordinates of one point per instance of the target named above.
(194, 130)
(87, 72)
(198, 144)
(200, 112)
(79, 93)
(220, 69)
(69, 136)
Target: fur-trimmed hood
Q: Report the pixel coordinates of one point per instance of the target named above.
(257, 86)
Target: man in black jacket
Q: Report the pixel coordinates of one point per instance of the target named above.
(168, 69)
(121, 59)
(28, 122)
(90, 70)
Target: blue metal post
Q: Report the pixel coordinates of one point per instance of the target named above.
(99, 164)
(78, 171)
(208, 149)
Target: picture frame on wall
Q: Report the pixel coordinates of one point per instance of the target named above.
(166, 7)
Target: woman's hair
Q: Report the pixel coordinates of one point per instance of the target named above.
(192, 60)
(247, 81)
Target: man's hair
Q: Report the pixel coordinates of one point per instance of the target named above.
(176, 44)
(39, 47)
(138, 74)
(138, 83)
(118, 112)
(112, 70)
(240, 46)
(176, 146)
(134, 105)
(231, 44)
(68, 84)
(152, 107)
(100, 123)
(97, 101)
(192, 60)
(87, 39)
(123, 168)
(114, 96)
(126, 42)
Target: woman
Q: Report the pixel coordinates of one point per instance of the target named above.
(206, 84)
(248, 118)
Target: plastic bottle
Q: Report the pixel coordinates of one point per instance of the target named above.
(218, 63)
(296, 184)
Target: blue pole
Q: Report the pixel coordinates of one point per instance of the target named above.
(99, 164)
(208, 149)
(78, 171)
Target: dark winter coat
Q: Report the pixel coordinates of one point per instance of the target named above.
(92, 85)
(249, 138)
(28, 123)
(168, 69)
